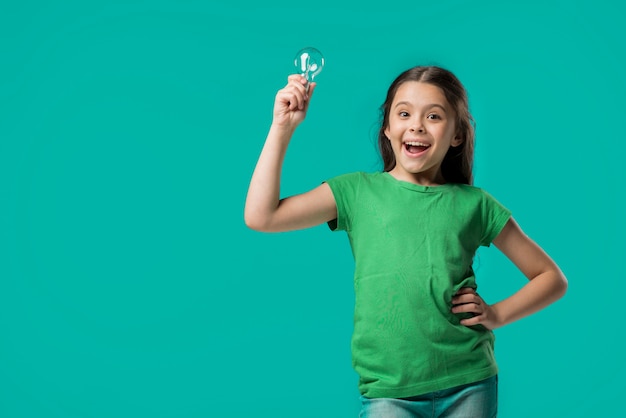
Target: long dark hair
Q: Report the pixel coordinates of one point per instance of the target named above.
(458, 162)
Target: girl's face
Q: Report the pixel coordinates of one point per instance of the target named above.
(421, 130)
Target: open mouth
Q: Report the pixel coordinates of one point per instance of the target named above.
(415, 147)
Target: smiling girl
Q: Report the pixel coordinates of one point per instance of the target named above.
(423, 341)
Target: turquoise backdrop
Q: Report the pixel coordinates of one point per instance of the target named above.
(129, 285)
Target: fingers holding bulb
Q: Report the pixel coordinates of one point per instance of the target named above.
(301, 84)
(301, 91)
(292, 101)
(295, 92)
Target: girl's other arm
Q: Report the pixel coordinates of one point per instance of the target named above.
(546, 283)
(264, 210)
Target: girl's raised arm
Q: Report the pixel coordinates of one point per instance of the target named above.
(264, 210)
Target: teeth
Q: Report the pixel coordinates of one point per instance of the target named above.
(416, 144)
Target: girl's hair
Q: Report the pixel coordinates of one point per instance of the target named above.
(457, 163)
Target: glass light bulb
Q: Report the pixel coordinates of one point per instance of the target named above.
(309, 62)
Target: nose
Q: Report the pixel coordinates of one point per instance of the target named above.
(417, 126)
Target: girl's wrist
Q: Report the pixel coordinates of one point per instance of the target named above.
(284, 132)
(507, 311)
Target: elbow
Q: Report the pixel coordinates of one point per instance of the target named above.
(561, 285)
(564, 286)
(254, 222)
(256, 226)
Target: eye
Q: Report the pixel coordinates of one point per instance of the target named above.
(403, 114)
(433, 116)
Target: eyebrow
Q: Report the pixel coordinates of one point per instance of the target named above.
(428, 106)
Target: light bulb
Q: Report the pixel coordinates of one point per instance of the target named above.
(309, 62)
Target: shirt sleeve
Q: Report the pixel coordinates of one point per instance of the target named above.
(494, 216)
(345, 190)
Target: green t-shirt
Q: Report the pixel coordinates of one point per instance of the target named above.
(413, 248)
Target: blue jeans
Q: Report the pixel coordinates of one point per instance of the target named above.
(474, 400)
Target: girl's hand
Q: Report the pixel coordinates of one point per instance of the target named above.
(292, 102)
(467, 300)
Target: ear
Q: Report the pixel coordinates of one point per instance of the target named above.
(387, 132)
(456, 141)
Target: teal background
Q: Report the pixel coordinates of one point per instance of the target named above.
(129, 285)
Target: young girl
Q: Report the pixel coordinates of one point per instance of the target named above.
(423, 341)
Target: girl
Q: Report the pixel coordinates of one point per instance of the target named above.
(422, 342)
